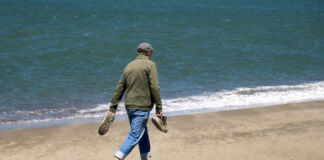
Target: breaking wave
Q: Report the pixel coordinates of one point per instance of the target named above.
(221, 100)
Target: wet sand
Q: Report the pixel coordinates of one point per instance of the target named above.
(284, 132)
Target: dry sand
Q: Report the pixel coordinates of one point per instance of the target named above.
(284, 132)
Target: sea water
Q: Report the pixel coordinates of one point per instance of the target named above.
(62, 59)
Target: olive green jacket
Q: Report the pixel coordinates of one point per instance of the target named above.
(140, 83)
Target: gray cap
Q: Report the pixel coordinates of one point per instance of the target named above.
(144, 47)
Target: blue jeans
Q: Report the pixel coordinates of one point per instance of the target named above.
(137, 135)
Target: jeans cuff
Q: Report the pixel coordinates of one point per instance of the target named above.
(120, 155)
(146, 155)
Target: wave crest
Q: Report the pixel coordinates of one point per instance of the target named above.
(220, 100)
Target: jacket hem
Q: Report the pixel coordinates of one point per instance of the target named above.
(147, 108)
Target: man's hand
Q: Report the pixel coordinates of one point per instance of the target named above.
(159, 114)
(110, 112)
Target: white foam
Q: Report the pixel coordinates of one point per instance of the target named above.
(99, 110)
(239, 98)
(219, 100)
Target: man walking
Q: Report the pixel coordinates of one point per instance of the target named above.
(139, 82)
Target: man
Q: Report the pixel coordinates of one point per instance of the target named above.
(139, 82)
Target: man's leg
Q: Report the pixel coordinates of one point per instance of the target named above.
(144, 146)
(138, 120)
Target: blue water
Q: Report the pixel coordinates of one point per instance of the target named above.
(63, 58)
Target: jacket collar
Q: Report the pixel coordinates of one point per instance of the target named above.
(142, 57)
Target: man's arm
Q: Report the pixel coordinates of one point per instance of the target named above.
(155, 88)
(118, 94)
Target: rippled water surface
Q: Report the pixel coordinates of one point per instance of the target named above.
(63, 58)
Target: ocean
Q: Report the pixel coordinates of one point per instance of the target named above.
(62, 59)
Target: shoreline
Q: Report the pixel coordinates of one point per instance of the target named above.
(80, 120)
(217, 100)
(290, 131)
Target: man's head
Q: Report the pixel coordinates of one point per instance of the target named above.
(145, 49)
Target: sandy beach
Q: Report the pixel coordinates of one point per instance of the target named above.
(283, 132)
